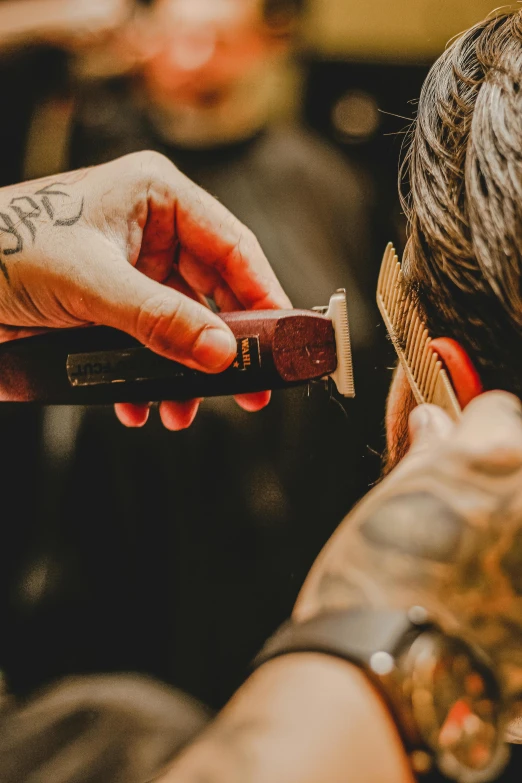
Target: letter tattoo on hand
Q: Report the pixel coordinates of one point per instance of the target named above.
(27, 211)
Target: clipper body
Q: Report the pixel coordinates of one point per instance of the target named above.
(99, 365)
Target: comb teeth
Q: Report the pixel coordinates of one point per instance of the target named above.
(425, 372)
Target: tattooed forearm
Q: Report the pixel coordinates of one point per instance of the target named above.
(403, 527)
(20, 219)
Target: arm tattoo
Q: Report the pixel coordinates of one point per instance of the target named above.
(400, 527)
(450, 540)
(27, 209)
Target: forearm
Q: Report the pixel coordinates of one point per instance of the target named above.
(29, 21)
(299, 719)
(62, 22)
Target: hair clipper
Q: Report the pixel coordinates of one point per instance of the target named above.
(100, 365)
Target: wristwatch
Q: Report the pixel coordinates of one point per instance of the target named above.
(440, 689)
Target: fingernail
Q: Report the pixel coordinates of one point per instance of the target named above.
(214, 349)
(420, 418)
(427, 420)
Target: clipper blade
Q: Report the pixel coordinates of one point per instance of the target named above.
(422, 365)
(337, 312)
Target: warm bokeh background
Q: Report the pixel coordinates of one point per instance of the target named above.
(389, 29)
(296, 124)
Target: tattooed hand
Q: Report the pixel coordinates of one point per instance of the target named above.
(135, 245)
(443, 530)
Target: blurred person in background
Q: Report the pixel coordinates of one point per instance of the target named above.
(154, 556)
(205, 91)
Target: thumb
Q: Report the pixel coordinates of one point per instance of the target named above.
(161, 318)
(428, 423)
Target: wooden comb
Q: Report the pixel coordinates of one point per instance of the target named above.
(422, 364)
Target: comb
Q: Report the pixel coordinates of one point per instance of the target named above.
(422, 364)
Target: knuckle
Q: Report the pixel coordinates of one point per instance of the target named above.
(171, 325)
(159, 323)
(158, 163)
(150, 166)
(250, 240)
(497, 457)
(150, 158)
(244, 246)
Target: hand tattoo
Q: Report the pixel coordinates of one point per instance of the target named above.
(27, 209)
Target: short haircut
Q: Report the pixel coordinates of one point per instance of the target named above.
(463, 258)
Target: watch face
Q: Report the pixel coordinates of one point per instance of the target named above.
(456, 703)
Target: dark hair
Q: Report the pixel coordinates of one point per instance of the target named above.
(463, 258)
(98, 729)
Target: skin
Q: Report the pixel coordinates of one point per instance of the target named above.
(135, 245)
(444, 530)
(203, 47)
(299, 719)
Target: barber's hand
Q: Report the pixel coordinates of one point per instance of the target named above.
(443, 530)
(135, 245)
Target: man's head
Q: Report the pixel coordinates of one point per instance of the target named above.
(210, 63)
(463, 260)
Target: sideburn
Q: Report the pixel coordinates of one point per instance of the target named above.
(398, 441)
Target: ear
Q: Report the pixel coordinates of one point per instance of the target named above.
(462, 374)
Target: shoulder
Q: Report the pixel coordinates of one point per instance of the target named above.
(312, 160)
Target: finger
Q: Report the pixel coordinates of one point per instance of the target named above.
(426, 423)
(178, 415)
(132, 414)
(8, 333)
(491, 431)
(177, 281)
(204, 278)
(253, 402)
(160, 317)
(210, 232)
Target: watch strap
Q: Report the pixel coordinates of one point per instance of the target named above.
(354, 635)
(371, 639)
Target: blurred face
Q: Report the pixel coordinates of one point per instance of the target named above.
(203, 48)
